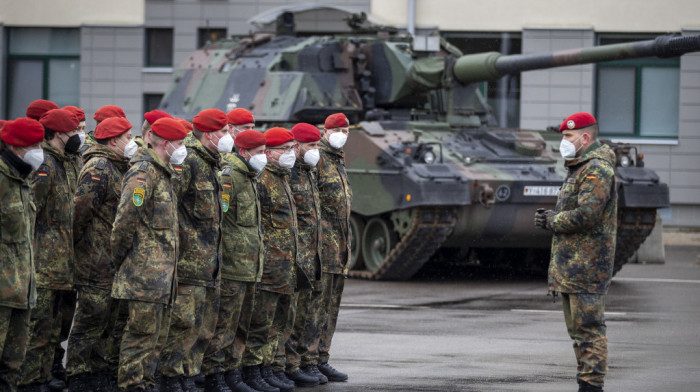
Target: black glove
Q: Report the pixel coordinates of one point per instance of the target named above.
(542, 218)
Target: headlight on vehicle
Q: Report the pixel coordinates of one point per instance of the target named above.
(428, 157)
(625, 161)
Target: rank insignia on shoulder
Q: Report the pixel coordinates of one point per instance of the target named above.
(101, 164)
(226, 171)
(224, 202)
(143, 166)
(139, 194)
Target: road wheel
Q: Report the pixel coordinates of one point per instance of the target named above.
(377, 241)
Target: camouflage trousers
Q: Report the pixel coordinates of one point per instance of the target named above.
(235, 309)
(585, 321)
(261, 346)
(98, 326)
(302, 347)
(44, 333)
(144, 336)
(192, 326)
(14, 335)
(67, 314)
(282, 328)
(332, 290)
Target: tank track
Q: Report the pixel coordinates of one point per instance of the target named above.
(429, 229)
(633, 227)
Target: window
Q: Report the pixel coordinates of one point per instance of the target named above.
(159, 48)
(638, 97)
(42, 63)
(151, 101)
(502, 95)
(205, 36)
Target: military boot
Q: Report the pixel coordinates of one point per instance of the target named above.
(199, 380)
(270, 378)
(331, 373)
(253, 378)
(56, 384)
(586, 387)
(216, 383)
(280, 375)
(172, 384)
(234, 380)
(302, 379)
(83, 382)
(189, 384)
(57, 369)
(33, 387)
(312, 370)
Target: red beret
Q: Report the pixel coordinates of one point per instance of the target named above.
(337, 120)
(306, 133)
(277, 135)
(2, 122)
(249, 139)
(112, 127)
(240, 116)
(186, 124)
(108, 111)
(210, 120)
(37, 108)
(59, 120)
(577, 121)
(154, 115)
(78, 112)
(22, 132)
(169, 129)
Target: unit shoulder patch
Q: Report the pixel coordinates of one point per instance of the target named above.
(101, 164)
(138, 196)
(143, 166)
(225, 202)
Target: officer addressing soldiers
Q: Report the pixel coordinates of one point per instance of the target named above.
(96, 200)
(144, 247)
(20, 154)
(584, 223)
(242, 258)
(53, 186)
(196, 308)
(302, 345)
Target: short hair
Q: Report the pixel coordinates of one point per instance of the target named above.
(197, 133)
(145, 127)
(591, 130)
(49, 134)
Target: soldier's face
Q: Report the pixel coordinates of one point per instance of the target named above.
(236, 129)
(328, 132)
(81, 127)
(274, 153)
(304, 147)
(254, 151)
(578, 138)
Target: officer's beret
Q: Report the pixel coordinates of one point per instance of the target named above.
(59, 120)
(210, 120)
(277, 135)
(337, 120)
(37, 108)
(577, 121)
(154, 115)
(249, 139)
(112, 127)
(169, 129)
(78, 112)
(22, 132)
(186, 124)
(2, 122)
(240, 116)
(306, 133)
(108, 111)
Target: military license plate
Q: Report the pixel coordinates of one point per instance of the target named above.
(532, 190)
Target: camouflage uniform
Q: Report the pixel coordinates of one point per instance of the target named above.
(336, 198)
(144, 249)
(17, 280)
(279, 233)
(53, 185)
(302, 345)
(96, 200)
(199, 263)
(242, 264)
(583, 252)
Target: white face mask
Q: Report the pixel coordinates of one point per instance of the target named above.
(130, 149)
(34, 158)
(287, 159)
(81, 135)
(225, 143)
(178, 156)
(567, 149)
(258, 162)
(337, 139)
(311, 157)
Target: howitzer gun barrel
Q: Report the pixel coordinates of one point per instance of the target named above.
(492, 65)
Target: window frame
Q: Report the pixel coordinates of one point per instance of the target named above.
(147, 48)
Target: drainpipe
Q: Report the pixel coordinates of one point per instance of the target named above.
(411, 25)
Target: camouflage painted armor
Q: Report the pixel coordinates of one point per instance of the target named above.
(585, 225)
(302, 182)
(242, 242)
(146, 229)
(279, 230)
(336, 198)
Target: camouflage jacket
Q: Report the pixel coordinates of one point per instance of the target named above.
(585, 225)
(145, 232)
(242, 243)
(302, 181)
(199, 211)
(17, 280)
(279, 230)
(53, 185)
(96, 201)
(336, 199)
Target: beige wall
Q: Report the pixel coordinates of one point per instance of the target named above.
(513, 15)
(70, 13)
